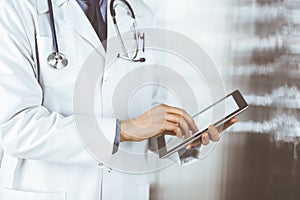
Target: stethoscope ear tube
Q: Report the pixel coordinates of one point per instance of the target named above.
(112, 7)
(113, 12)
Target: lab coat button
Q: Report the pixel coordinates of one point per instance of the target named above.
(100, 164)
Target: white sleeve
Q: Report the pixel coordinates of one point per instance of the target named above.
(27, 129)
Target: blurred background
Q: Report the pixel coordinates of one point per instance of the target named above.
(255, 44)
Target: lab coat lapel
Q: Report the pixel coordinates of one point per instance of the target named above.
(82, 25)
(111, 32)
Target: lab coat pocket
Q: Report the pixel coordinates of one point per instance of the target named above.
(11, 194)
(49, 76)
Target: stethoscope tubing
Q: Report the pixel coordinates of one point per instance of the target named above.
(53, 29)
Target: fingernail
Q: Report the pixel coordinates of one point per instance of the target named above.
(234, 120)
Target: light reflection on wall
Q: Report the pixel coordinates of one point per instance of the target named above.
(204, 21)
(266, 66)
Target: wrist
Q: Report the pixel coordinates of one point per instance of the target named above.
(123, 136)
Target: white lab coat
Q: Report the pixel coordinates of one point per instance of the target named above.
(44, 158)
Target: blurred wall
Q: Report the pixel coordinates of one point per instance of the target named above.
(263, 151)
(207, 23)
(255, 45)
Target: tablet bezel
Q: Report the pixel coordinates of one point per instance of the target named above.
(161, 143)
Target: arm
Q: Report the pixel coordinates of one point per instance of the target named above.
(28, 129)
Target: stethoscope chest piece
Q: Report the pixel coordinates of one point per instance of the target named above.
(57, 60)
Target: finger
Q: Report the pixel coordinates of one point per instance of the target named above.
(228, 124)
(177, 119)
(205, 138)
(190, 121)
(184, 114)
(193, 144)
(169, 133)
(213, 133)
(169, 126)
(185, 128)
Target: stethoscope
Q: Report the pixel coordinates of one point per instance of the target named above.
(58, 60)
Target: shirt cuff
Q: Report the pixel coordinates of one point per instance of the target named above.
(117, 137)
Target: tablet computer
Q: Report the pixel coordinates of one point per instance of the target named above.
(217, 114)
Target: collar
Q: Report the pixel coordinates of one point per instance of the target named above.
(42, 5)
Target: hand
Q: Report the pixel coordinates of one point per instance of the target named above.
(212, 134)
(161, 119)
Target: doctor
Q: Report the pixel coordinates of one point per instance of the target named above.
(44, 158)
